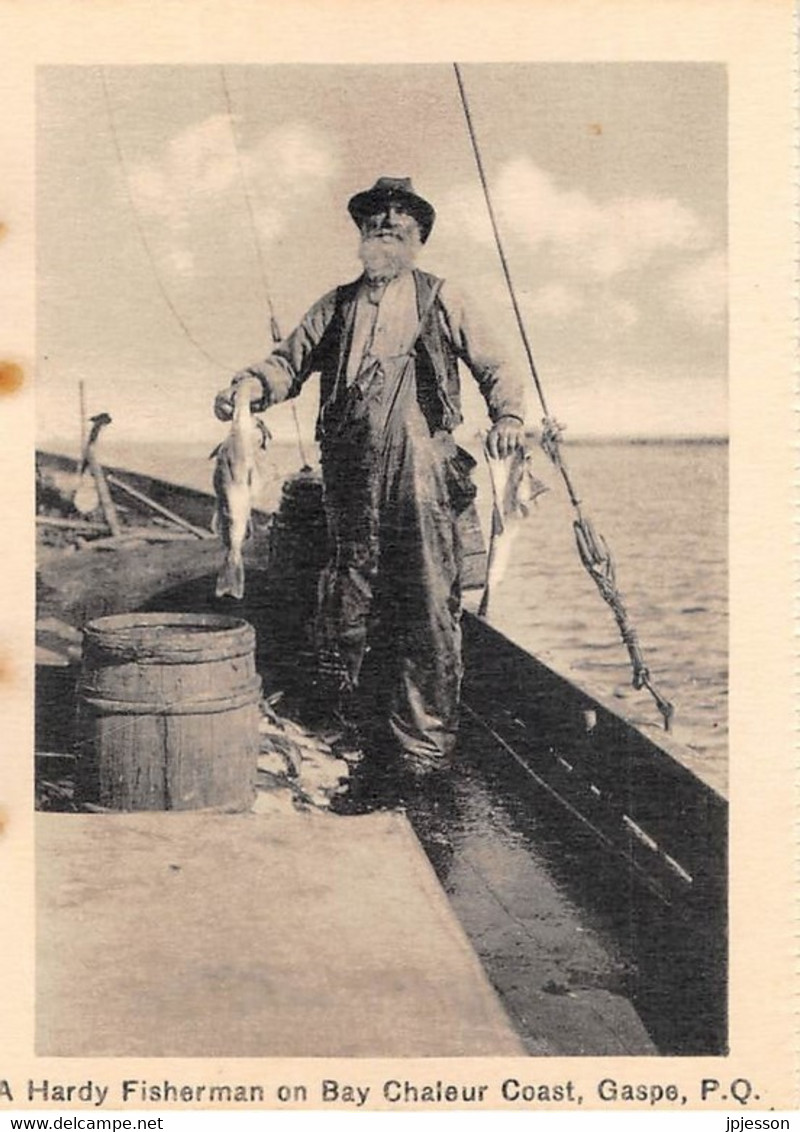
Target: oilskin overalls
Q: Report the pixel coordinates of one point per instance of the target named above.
(390, 598)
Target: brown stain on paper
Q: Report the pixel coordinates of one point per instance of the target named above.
(12, 377)
(6, 678)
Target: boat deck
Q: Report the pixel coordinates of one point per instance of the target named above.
(311, 934)
(197, 934)
(579, 877)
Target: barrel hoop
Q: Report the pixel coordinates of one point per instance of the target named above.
(152, 638)
(202, 705)
(112, 657)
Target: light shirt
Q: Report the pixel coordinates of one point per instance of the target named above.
(386, 320)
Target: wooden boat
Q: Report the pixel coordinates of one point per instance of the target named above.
(623, 843)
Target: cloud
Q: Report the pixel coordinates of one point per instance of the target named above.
(603, 239)
(285, 170)
(182, 261)
(560, 303)
(623, 312)
(199, 183)
(198, 162)
(701, 289)
(556, 301)
(627, 277)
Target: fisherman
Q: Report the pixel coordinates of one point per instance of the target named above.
(387, 347)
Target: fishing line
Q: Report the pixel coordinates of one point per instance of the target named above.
(300, 445)
(273, 321)
(592, 547)
(498, 241)
(143, 236)
(276, 336)
(509, 281)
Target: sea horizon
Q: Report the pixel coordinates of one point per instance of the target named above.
(65, 446)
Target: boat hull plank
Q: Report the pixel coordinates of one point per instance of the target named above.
(614, 795)
(197, 507)
(650, 807)
(92, 583)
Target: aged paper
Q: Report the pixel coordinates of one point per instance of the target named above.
(174, 176)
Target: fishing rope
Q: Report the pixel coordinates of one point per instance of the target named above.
(592, 547)
(300, 445)
(143, 235)
(251, 212)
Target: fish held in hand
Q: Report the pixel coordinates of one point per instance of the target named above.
(514, 489)
(235, 476)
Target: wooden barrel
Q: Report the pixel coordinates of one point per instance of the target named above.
(169, 715)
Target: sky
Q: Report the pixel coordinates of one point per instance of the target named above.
(175, 203)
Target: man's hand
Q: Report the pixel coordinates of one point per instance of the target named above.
(245, 385)
(505, 436)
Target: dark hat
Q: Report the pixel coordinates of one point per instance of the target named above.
(393, 190)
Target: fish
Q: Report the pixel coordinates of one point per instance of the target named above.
(514, 489)
(235, 477)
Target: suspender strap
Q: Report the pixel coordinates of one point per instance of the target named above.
(423, 318)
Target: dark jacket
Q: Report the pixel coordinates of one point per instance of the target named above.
(321, 343)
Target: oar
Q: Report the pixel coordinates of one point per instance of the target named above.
(91, 464)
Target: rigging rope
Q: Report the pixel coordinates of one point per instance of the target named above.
(273, 321)
(592, 547)
(143, 236)
(251, 212)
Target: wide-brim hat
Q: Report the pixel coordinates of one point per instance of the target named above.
(393, 190)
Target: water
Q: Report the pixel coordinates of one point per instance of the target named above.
(663, 512)
(662, 509)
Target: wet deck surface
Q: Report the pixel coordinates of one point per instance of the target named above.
(587, 960)
(557, 966)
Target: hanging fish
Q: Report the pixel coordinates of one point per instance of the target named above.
(235, 476)
(514, 489)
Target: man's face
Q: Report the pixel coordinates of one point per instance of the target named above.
(390, 240)
(391, 224)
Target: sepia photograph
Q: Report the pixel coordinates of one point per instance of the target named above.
(397, 637)
(381, 487)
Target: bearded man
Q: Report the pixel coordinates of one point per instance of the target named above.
(387, 347)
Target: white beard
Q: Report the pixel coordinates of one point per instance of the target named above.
(385, 259)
